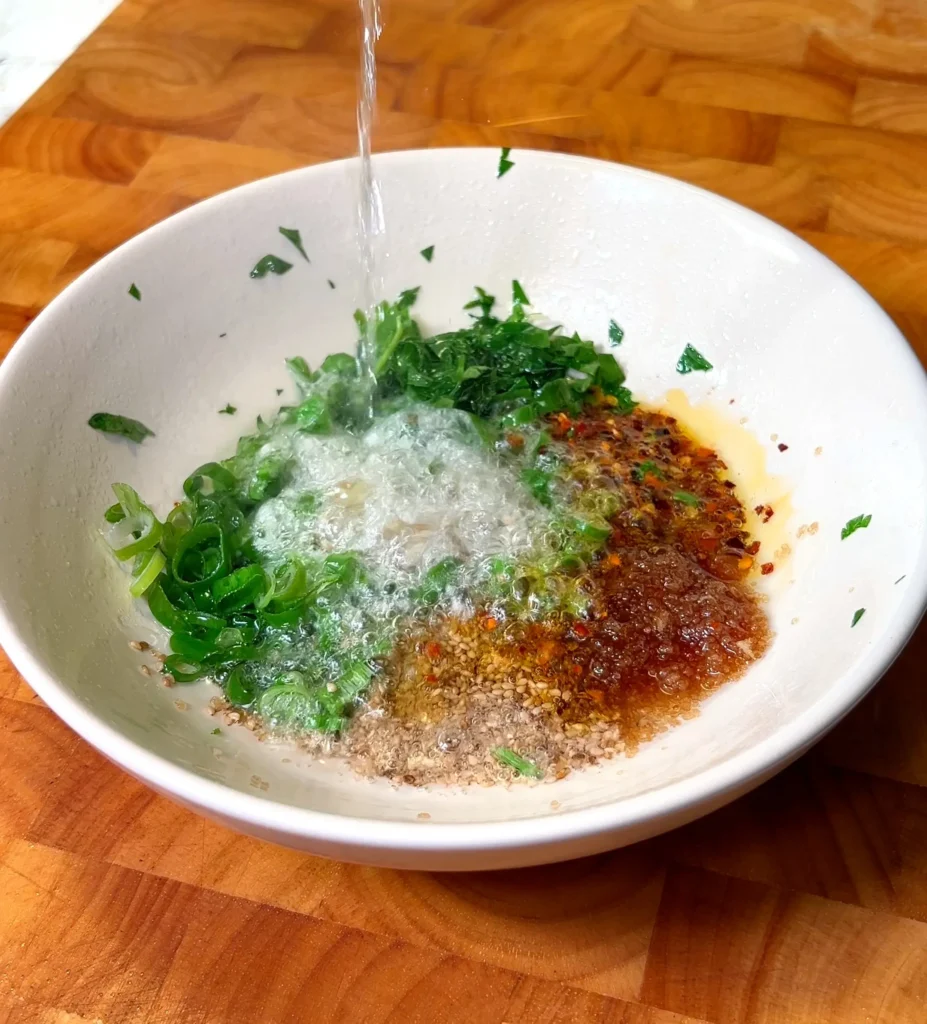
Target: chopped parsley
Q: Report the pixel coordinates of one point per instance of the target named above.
(270, 264)
(121, 426)
(217, 732)
(857, 615)
(615, 333)
(300, 372)
(512, 369)
(279, 391)
(691, 359)
(428, 254)
(229, 410)
(685, 498)
(292, 235)
(331, 284)
(134, 292)
(520, 765)
(519, 295)
(505, 165)
(856, 523)
(483, 301)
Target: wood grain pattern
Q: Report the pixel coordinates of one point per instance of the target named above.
(806, 901)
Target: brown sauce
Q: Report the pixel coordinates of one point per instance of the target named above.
(672, 618)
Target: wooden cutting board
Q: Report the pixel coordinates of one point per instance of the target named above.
(803, 902)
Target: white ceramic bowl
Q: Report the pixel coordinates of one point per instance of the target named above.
(807, 357)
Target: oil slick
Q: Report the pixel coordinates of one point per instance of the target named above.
(746, 458)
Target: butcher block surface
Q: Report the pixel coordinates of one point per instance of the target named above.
(802, 903)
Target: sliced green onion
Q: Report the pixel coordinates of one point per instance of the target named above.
(267, 596)
(517, 763)
(284, 702)
(246, 626)
(202, 625)
(201, 556)
(596, 530)
(190, 647)
(232, 655)
(182, 670)
(128, 498)
(162, 609)
(147, 570)
(268, 477)
(290, 582)
(137, 531)
(133, 535)
(231, 636)
(177, 523)
(114, 514)
(238, 687)
(354, 680)
(179, 598)
(290, 615)
(343, 567)
(208, 479)
(240, 588)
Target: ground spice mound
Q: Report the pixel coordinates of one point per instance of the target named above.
(672, 618)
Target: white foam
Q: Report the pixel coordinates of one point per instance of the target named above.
(419, 487)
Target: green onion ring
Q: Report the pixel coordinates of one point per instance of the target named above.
(182, 670)
(147, 571)
(206, 543)
(220, 479)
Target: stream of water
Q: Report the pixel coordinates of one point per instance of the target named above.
(370, 206)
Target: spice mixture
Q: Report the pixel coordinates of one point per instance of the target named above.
(673, 617)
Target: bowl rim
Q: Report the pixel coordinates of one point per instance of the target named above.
(713, 786)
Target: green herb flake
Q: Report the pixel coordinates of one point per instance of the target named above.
(691, 359)
(300, 372)
(510, 371)
(520, 765)
(270, 264)
(331, 284)
(626, 403)
(483, 301)
(428, 254)
(134, 292)
(647, 468)
(615, 333)
(856, 523)
(505, 165)
(279, 391)
(217, 732)
(292, 235)
(518, 295)
(409, 297)
(685, 498)
(857, 615)
(229, 410)
(121, 426)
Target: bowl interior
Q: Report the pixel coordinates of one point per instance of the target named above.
(801, 357)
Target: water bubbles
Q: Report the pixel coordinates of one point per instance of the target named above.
(416, 489)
